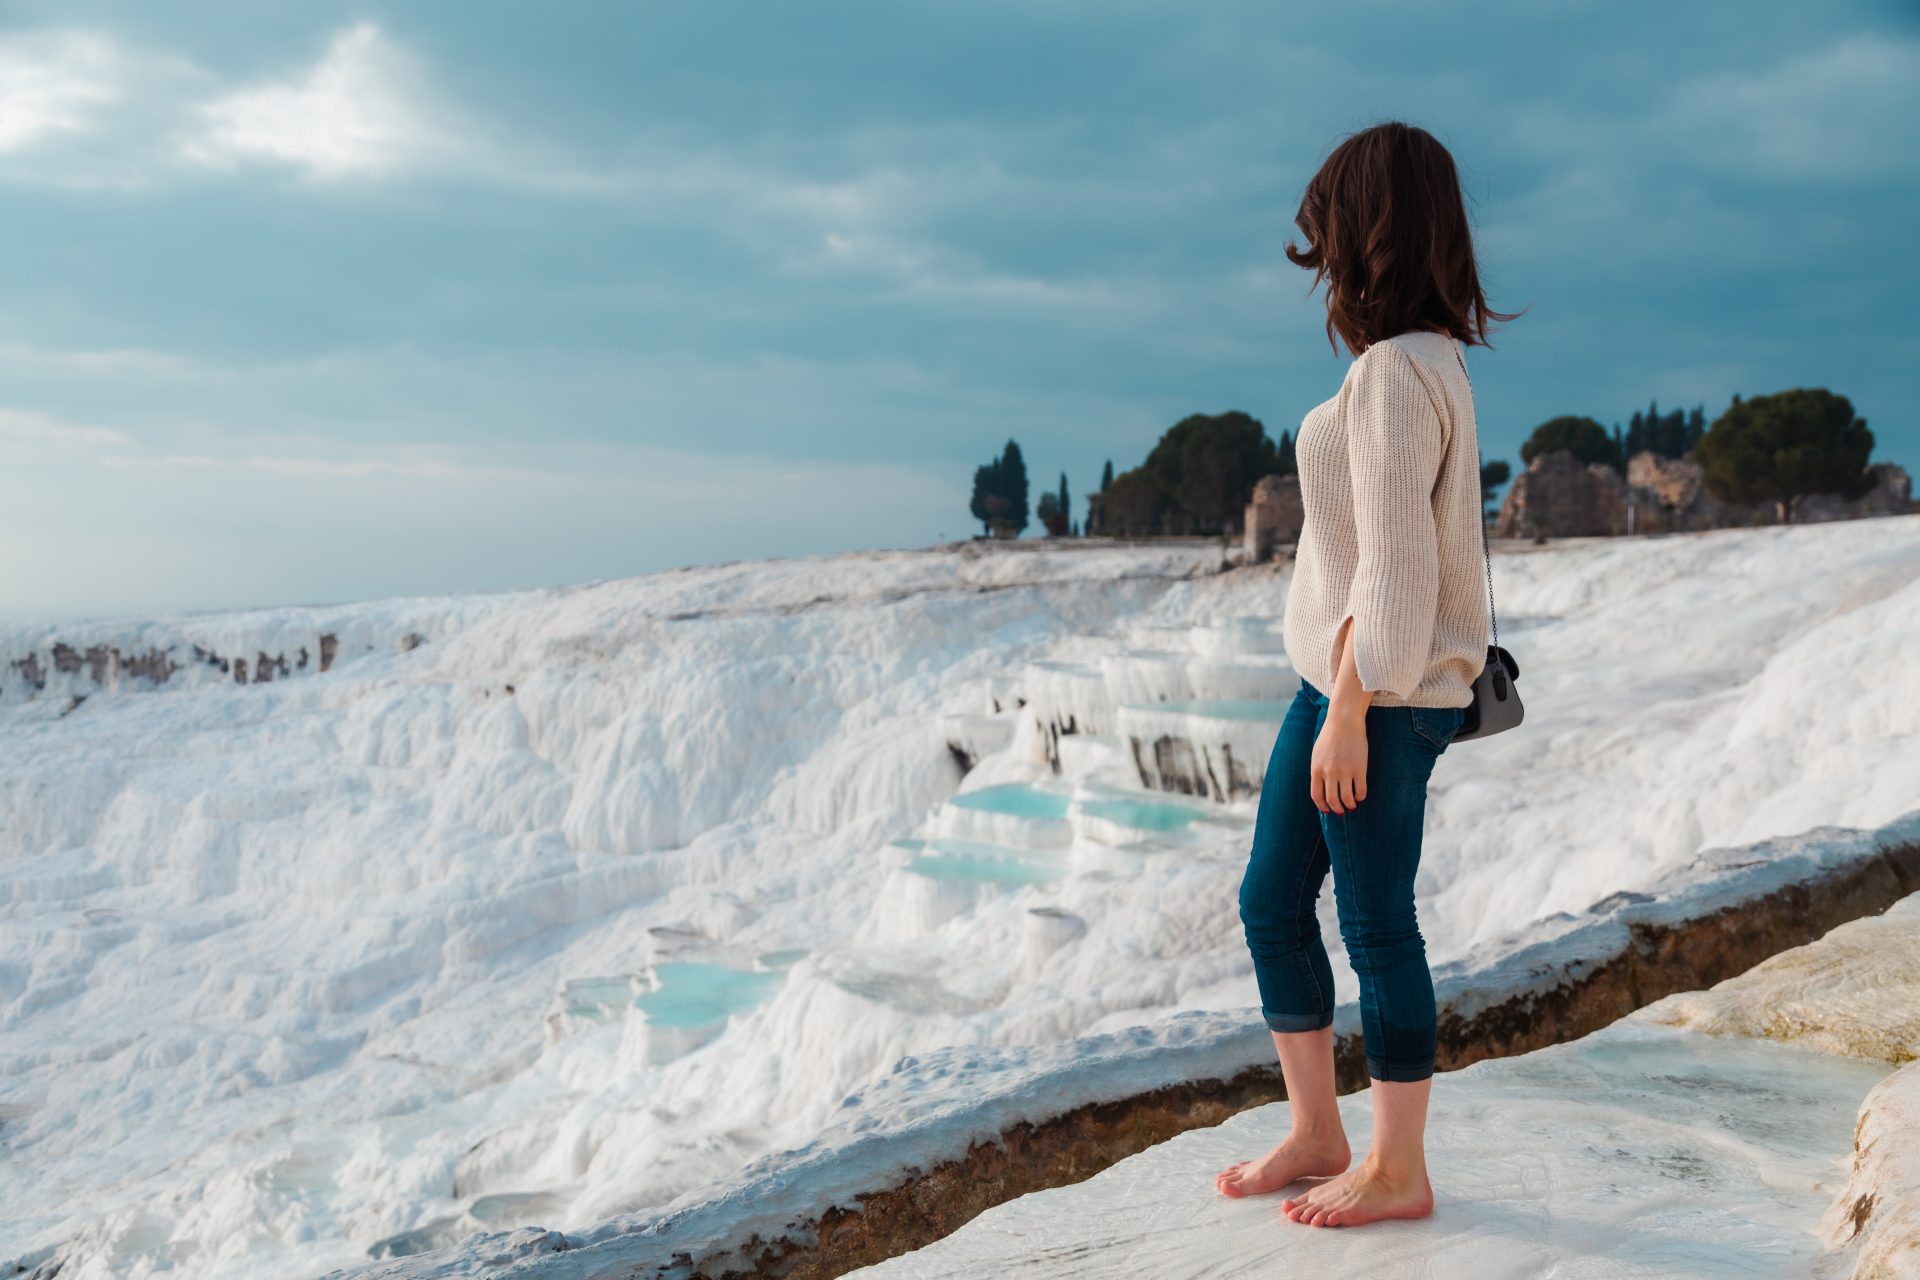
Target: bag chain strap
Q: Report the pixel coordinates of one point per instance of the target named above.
(1491, 614)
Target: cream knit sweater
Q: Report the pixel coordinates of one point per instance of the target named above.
(1390, 481)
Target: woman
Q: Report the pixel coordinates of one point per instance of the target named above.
(1386, 623)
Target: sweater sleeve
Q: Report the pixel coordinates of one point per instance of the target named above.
(1395, 441)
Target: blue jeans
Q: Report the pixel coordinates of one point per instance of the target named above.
(1373, 850)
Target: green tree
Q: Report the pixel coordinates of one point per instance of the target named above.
(1053, 510)
(1050, 515)
(1096, 523)
(1207, 464)
(1015, 466)
(1586, 439)
(1492, 476)
(1000, 494)
(1133, 503)
(1670, 435)
(1779, 448)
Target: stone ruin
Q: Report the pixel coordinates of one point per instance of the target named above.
(1559, 496)
(1891, 495)
(1274, 516)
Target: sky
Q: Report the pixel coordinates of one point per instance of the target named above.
(320, 303)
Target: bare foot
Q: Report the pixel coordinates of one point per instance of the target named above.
(1298, 1156)
(1364, 1193)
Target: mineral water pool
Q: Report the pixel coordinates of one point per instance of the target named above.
(697, 994)
(1143, 815)
(688, 995)
(1270, 709)
(978, 860)
(1019, 799)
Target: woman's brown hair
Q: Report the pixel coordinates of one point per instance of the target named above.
(1386, 227)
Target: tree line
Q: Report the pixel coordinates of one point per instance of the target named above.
(1199, 476)
(1771, 449)
(1197, 479)
(1671, 435)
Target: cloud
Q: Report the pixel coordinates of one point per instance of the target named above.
(361, 111)
(81, 109)
(367, 110)
(24, 432)
(103, 522)
(53, 83)
(101, 363)
(28, 435)
(1845, 111)
(663, 474)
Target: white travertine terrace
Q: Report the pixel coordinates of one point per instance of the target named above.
(1700, 1136)
(284, 966)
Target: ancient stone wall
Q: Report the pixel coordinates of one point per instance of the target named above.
(1891, 495)
(1274, 516)
(1558, 496)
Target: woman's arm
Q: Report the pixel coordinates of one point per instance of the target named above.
(1395, 443)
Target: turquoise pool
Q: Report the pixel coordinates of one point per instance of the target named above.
(1016, 798)
(977, 860)
(1144, 815)
(694, 994)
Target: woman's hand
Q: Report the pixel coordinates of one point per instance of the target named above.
(1340, 760)
(1340, 751)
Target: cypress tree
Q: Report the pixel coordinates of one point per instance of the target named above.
(1014, 487)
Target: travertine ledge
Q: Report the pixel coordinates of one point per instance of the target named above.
(1737, 916)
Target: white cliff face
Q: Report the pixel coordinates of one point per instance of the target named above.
(555, 906)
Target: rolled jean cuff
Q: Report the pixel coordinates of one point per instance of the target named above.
(1297, 1021)
(1399, 1071)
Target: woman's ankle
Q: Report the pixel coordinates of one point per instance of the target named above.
(1397, 1168)
(1319, 1132)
